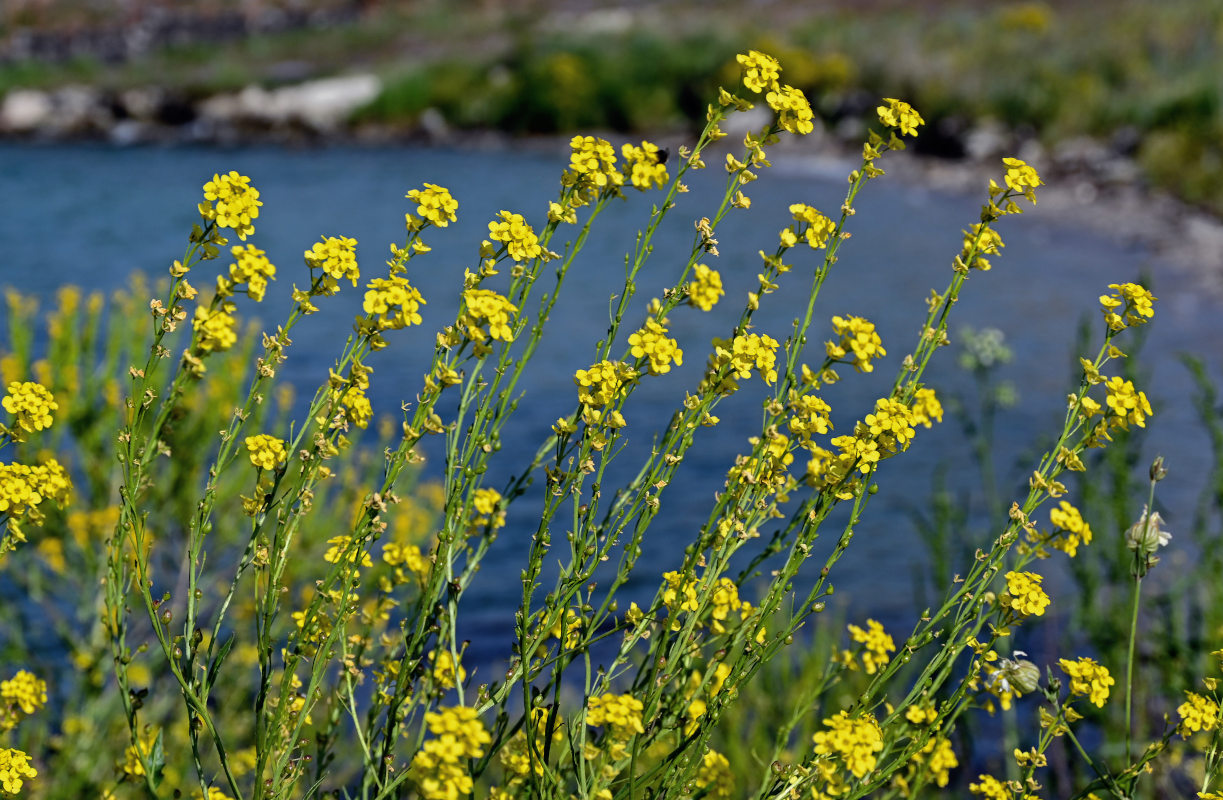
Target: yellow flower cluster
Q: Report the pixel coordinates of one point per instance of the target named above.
(520, 240)
(1127, 403)
(1197, 713)
(340, 547)
(1021, 178)
(485, 502)
(336, 256)
(715, 779)
(768, 470)
(139, 751)
(745, 352)
(857, 336)
(14, 770)
(653, 343)
(855, 741)
(1088, 678)
(231, 202)
(602, 383)
(216, 329)
(266, 452)
(592, 166)
(877, 645)
(725, 599)
(939, 758)
(251, 266)
(891, 424)
(793, 110)
(21, 695)
(1135, 302)
(620, 715)
(811, 416)
(819, 227)
(439, 767)
(646, 167)
(23, 488)
(1025, 594)
(899, 115)
(991, 788)
(760, 71)
(392, 303)
(405, 555)
(31, 405)
(679, 594)
(485, 308)
(1074, 528)
(446, 671)
(434, 204)
(926, 408)
(705, 288)
(979, 241)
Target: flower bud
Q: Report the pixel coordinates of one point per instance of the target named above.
(1158, 470)
(1147, 535)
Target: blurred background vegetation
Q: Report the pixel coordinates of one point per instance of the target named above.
(1138, 86)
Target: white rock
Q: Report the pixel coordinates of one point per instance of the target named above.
(25, 110)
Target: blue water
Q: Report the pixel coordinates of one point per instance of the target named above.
(92, 215)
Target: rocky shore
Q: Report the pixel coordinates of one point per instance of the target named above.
(1090, 182)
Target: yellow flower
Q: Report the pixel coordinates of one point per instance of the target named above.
(854, 740)
(1026, 596)
(266, 452)
(231, 202)
(653, 343)
(857, 336)
(900, 115)
(1088, 678)
(25, 691)
(216, 328)
(706, 288)
(14, 769)
(446, 669)
(1127, 403)
(520, 240)
(1197, 713)
(926, 408)
(340, 547)
(646, 167)
(336, 256)
(592, 165)
(819, 227)
(1021, 178)
(1138, 302)
(1068, 519)
(251, 266)
(31, 404)
(760, 71)
(878, 644)
(793, 110)
(619, 713)
(392, 302)
(435, 204)
(485, 308)
(603, 382)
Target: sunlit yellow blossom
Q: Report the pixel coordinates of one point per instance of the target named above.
(653, 343)
(336, 256)
(435, 204)
(1021, 178)
(23, 691)
(725, 599)
(679, 594)
(216, 329)
(705, 288)
(1075, 530)
(793, 110)
(266, 452)
(603, 382)
(877, 645)
(760, 71)
(857, 336)
(340, 547)
(139, 752)
(231, 202)
(484, 308)
(440, 768)
(1197, 713)
(1088, 678)
(1026, 596)
(355, 406)
(819, 227)
(990, 788)
(1135, 301)
(392, 302)
(619, 713)
(520, 240)
(592, 163)
(31, 405)
(14, 770)
(939, 758)
(251, 266)
(645, 165)
(714, 777)
(1128, 404)
(486, 503)
(746, 352)
(856, 741)
(891, 424)
(900, 115)
(811, 416)
(926, 408)
(444, 672)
